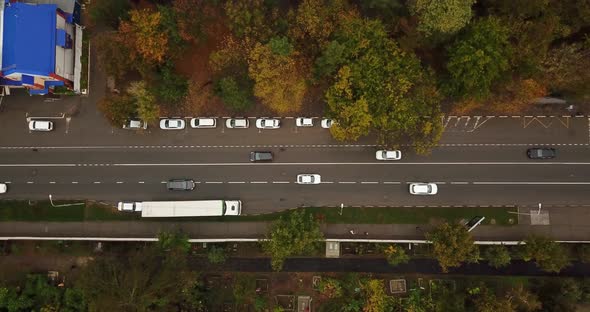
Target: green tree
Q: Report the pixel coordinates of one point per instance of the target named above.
(170, 87)
(216, 255)
(497, 256)
(297, 233)
(583, 252)
(244, 289)
(452, 245)
(74, 300)
(549, 256)
(250, 19)
(117, 108)
(173, 241)
(279, 80)
(485, 300)
(441, 16)
(375, 297)
(478, 59)
(147, 108)
(559, 294)
(235, 93)
(108, 12)
(396, 255)
(114, 57)
(377, 86)
(330, 288)
(192, 292)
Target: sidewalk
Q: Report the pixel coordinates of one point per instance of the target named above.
(566, 224)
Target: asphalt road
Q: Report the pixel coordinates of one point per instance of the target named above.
(466, 176)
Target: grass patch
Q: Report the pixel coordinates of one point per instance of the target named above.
(34, 211)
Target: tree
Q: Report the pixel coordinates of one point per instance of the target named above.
(485, 300)
(250, 19)
(114, 57)
(377, 86)
(216, 255)
(560, 69)
(396, 255)
(170, 87)
(561, 294)
(441, 16)
(108, 12)
(497, 256)
(147, 108)
(523, 300)
(173, 241)
(547, 254)
(237, 96)
(117, 108)
(190, 17)
(375, 297)
(145, 36)
(452, 245)
(279, 79)
(74, 300)
(330, 288)
(478, 59)
(296, 233)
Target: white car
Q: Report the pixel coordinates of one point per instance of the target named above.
(304, 122)
(309, 178)
(3, 188)
(268, 123)
(172, 124)
(423, 188)
(135, 124)
(388, 155)
(40, 125)
(237, 123)
(203, 123)
(326, 123)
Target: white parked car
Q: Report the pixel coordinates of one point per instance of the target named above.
(172, 124)
(326, 123)
(203, 123)
(135, 124)
(3, 188)
(40, 125)
(268, 123)
(237, 123)
(423, 188)
(388, 155)
(304, 122)
(309, 178)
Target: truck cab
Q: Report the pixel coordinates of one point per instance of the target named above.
(129, 206)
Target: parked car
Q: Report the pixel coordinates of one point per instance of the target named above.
(268, 123)
(40, 125)
(260, 156)
(203, 123)
(309, 178)
(326, 123)
(541, 153)
(135, 124)
(237, 123)
(423, 188)
(172, 124)
(304, 122)
(3, 188)
(388, 155)
(181, 185)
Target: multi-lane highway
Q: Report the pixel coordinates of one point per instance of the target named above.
(480, 161)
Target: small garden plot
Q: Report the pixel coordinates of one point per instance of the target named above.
(397, 286)
(441, 285)
(261, 286)
(287, 302)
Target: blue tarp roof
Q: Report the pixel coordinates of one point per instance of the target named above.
(29, 39)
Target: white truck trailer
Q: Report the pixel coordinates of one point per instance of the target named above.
(187, 208)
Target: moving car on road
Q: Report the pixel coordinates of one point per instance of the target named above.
(260, 156)
(388, 155)
(268, 123)
(541, 153)
(3, 188)
(172, 124)
(423, 188)
(203, 123)
(326, 123)
(309, 178)
(237, 123)
(40, 125)
(304, 122)
(181, 185)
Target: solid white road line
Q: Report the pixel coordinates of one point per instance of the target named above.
(281, 182)
(259, 182)
(213, 182)
(532, 183)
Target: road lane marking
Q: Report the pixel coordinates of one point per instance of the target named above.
(96, 182)
(346, 182)
(259, 182)
(391, 182)
(327, 182)
(459, 182)
(74, 182)
(213, 182)
(369, 182)
(532, 183)
(141, 182)
(236, 182)
(281, 182)
(119, 182)
(30, 182)
(51, 182)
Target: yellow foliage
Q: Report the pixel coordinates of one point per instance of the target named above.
(143, 34)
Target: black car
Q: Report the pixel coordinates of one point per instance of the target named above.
(260, 156)
(541, 153)
(181, 185)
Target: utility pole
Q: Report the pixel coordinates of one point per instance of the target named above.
(341, 208)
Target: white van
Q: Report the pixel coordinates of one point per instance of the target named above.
(40, 125)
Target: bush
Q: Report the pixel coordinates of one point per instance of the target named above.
(330, 288)
(396, 255)
(584, 253)
(497, 256)
(170, 87)
(237, 97)
(117, 108)
(108, 12)
(216, 255)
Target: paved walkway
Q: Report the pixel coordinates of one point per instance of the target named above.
(565, 224)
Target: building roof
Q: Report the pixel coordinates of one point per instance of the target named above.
(28, 44)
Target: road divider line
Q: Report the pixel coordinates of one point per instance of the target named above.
(369, 182)
(213, 182)
(531, 183)
(74, 182)
(30, 182)
(96, 182)
(51, 182)
(281, 182)
(141, 182)
(236, 182)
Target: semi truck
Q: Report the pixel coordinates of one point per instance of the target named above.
(185, 208)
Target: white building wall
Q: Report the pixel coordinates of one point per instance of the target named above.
(64, 58)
